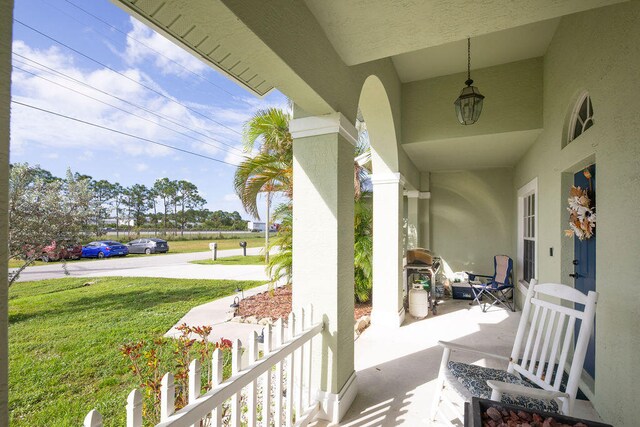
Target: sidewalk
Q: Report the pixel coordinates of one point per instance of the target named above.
(216, 314)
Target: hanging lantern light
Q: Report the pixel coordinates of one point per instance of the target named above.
(469, 103)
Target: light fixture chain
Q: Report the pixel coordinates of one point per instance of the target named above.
(468, 58)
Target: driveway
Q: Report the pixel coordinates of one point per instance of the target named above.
(174, 266)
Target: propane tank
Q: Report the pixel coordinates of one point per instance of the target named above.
(418, 301)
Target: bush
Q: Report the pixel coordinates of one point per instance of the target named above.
(146, 361)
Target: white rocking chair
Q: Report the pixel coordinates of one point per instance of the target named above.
(534, 377)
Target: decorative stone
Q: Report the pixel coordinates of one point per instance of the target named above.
(494, 414)
(266, 321)
(251, 319)
(361, 324)
(236, 319)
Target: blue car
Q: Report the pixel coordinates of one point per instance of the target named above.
(104, 248)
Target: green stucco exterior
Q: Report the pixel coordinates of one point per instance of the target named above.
(472, 218)
(597, 51)
(472, 212)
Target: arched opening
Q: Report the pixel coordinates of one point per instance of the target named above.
(376, 111)
(386, 204)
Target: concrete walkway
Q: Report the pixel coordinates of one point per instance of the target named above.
(216, 314)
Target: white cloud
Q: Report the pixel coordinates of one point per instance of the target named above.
(231, 197)
(86, 155)
(141, 167)
(167, 56)
(33, 126)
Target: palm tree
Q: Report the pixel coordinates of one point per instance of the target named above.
(363, 218)
(271, 169)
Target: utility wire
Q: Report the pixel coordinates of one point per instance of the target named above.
(124, 33)
(123, 110)
(124, 75)
(160, 116)
(13, 101)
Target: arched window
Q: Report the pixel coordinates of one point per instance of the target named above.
(582, 117)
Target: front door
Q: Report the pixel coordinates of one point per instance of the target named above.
(585, 262)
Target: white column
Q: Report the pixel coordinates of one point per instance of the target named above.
(388, 309)
(413, 218)
(323, 153)
(6, 26)
(424, 227)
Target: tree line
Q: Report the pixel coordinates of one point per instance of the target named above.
(44, 208)
(167, 206)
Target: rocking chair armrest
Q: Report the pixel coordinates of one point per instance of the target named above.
(460, 347)
(535, 393)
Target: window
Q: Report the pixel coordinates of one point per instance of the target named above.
(527, 231)
(529, 238)
(582, 117)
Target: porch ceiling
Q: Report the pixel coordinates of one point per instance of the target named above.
(426, 38)
(472, 152)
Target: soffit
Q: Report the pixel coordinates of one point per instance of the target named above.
(367, 30)
(473, 152)
(208, 31)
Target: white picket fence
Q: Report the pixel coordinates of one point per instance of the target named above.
(283, 377)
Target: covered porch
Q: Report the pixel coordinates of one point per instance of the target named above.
(461, 189)
(397, 379)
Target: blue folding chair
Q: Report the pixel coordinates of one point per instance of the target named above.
(497, 288)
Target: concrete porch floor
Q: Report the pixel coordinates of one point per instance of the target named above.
(396, 369)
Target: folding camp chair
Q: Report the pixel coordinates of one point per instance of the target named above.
(555, 340)
(497, 288)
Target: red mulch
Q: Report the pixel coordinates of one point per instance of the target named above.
(277, 305)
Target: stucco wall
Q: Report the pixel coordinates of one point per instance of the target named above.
(471, 217)
(514, 91)
(6, 15)
(598, 51)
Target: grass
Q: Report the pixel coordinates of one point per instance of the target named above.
(233, 260)
(184, 246)
(175, 247)
(64, 341)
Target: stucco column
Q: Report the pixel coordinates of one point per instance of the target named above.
(424, 224)
(388, 309)
(413, 219)
(323, 153)
(6, 26)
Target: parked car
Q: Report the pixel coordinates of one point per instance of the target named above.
(148, 246)
(58, 250)
(103, 249)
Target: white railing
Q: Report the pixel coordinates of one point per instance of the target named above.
(280, 383)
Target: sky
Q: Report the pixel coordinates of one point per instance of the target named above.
(117, 73)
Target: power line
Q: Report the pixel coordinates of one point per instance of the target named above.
(160, 116)
(124, 33)
(124, 75)
(13, 101)
(122, 109)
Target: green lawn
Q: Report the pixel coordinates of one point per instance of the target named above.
(234, 260)
(64, 341)
(183, 246)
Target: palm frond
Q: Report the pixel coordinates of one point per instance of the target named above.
(261, 174)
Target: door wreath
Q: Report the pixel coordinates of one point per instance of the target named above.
(582, 215)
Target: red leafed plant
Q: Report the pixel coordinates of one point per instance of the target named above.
(149, 360)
